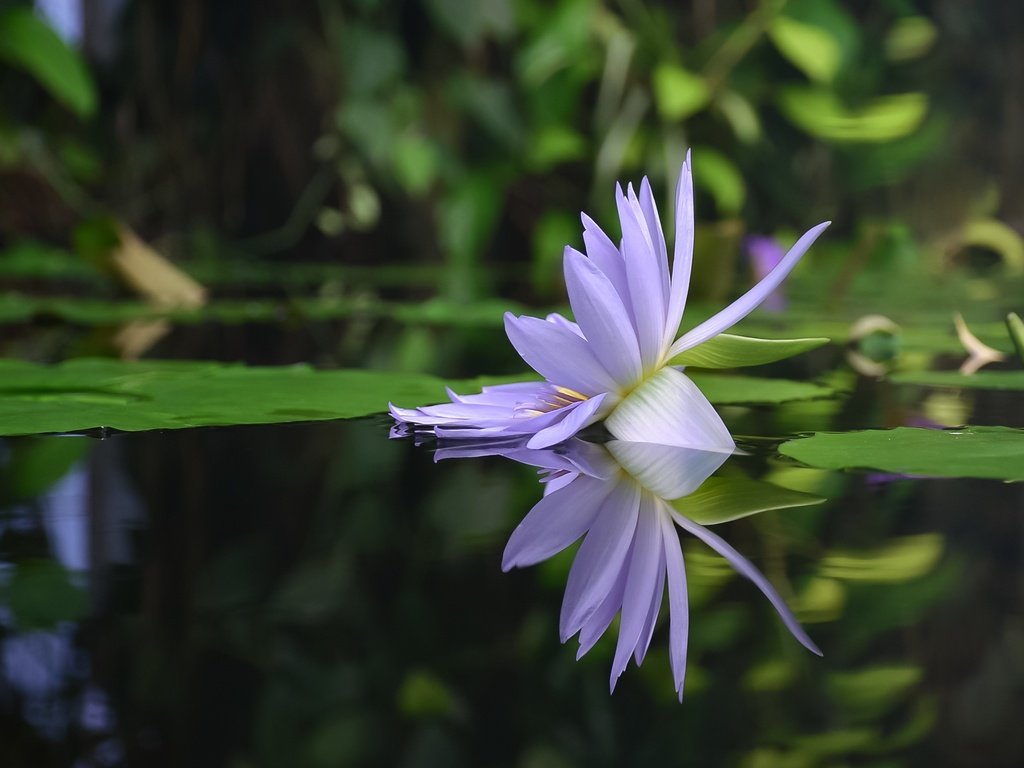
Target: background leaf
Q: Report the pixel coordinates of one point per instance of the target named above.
(986, 452)
(28, 43)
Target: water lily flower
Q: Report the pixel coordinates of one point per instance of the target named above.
(616, 362)
(617, 497)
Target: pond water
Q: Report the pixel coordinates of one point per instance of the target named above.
(319, 594)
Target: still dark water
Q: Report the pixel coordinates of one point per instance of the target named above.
(320, 595)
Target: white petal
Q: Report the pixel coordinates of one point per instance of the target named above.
(669, 409)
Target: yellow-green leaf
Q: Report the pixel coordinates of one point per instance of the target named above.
(810, 48)
(723, 499)
(729, 351)
(678, 92)
(820, 113)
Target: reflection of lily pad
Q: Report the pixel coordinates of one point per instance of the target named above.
(723, 499)
(986, 452)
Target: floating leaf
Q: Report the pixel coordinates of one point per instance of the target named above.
(730, 351)
(736, 390)
(723, 499)
(986, 452)
(1016, 328)
(820, 113)
(29, 43)
(87, 394)
(678, 92)
(1011, 380)
(810, 48)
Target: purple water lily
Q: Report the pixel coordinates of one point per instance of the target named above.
(617, 497)
(616, 361)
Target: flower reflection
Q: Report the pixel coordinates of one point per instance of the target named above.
(617, 361)
(616, 496)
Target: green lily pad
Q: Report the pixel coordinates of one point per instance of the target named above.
(730, 351)
(723, 499)
(1012, 380)
(87, 394)
(987, 452)
(749, 390)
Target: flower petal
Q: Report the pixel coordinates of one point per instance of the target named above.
(641, 584)
(581, 415)
(606, 257)
(669, 409)
(557, 354)
(647, 294)
(601, 619)
(667, 471)
(602, 317)
(678, 601)
(749, 301)
(555, 522)
(558, 319)
(682, 258)
(599, 558)
(649, 210)
(745, 568)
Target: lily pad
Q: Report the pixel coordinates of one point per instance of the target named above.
(88, 394)
(750, 390)
(1012, 380)
(986, 452)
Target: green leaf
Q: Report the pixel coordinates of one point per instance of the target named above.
(87, 394)
(1005, 380)
(678, 92)
(986, 452)
(719, 175)
(723, 499)
(730, 351)
(737, 390)
(29, 43)
(819, 112)
(808, 47)
(1016, 328)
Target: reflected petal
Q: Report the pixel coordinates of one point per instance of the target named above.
(642, 582)
(668, 471)
(678, 601)
(555, 522)
(599, 558)
(745, 568)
